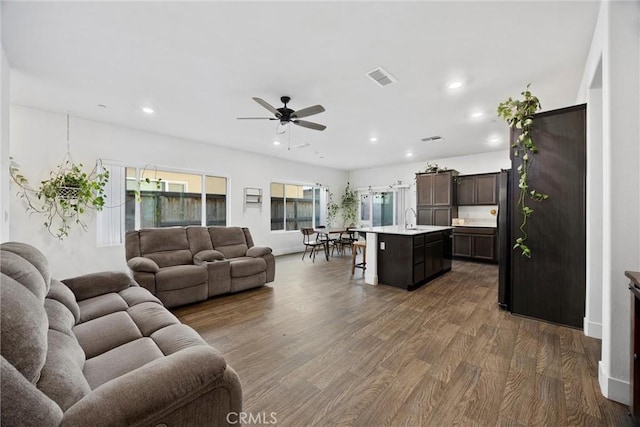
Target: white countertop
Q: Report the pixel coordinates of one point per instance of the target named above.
(475, 225)
(395, 229)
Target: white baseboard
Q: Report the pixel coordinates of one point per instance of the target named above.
(613, 388)
(592, 329)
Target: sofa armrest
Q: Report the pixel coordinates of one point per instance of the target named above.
(258, 251)
(143, 265)
(208, 255)
(94, 284)
(157, 392)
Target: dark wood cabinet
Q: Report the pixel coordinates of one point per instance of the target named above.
(487, 189)
(466, 191)
(443, 189)
(435, 197)
(462, 245)
(477, 190)
(551, 285)
(476, 243)
(484, 247)
(424, 189)
(408, 262)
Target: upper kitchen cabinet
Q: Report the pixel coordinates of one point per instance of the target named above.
(424, 189)
(477, 190)
(435, 197)
(435, 189)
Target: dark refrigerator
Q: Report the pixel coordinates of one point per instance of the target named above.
(504, 241)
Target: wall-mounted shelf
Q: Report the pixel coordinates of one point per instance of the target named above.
(252, 197)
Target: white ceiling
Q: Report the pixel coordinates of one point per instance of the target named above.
(199, 63)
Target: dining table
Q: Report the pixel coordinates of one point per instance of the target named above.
(327, 232)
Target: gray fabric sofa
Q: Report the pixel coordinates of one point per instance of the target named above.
(182, 265)
(99, 350)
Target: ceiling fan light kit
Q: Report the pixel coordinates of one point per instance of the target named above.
(286, 115)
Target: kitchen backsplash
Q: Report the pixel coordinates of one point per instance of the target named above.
(479, 215)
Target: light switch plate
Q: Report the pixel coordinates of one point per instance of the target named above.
(382, 246)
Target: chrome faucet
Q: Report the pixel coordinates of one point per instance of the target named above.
(415, 216)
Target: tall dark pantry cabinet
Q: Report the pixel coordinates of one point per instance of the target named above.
(552, 284)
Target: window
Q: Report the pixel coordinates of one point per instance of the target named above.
(168, 199)
(297, 206)
(382, 207)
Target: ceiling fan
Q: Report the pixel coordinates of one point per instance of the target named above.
(287, 115)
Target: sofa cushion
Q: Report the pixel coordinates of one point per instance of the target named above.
(99, 306)
(61, 293)
(137, 295)
(62, 378)
(100, 335)
(247, 266)
(163, 239)
(199, 239)
(139, 263)
(34, 257)
(171, 258)
(180, 277)
(59, 316)
(24, 402)
(230, 241)
(257, 251)
(23, 328)
(166, 246)
(149, 317)
(25, 273)
(174, 338)
(120, 360)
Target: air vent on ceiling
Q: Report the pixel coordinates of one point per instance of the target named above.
(381, 76)
(431, 138)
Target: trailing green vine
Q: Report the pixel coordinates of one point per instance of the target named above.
(519, 115)
(65, 196)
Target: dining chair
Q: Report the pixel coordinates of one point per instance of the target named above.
(346, 240)
(312, 244)
(325, 237)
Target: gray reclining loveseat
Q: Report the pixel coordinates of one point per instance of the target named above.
(182, 265)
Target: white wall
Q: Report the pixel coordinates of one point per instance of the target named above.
(613, 184)
(466, 165)
(38, 143)
(4, 145)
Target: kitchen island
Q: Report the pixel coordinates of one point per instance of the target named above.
(407, 258)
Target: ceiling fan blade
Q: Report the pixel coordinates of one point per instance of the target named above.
(310, 125)
(306, 112)
(256, 118)
(268, 106)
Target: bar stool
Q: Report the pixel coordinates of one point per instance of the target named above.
(358, 244)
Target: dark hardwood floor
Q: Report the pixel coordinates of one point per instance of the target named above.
(319, 347)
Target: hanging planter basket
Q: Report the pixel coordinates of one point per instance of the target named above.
(68, 193)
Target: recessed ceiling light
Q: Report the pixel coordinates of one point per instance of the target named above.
(455, 84)
(276, 142)
(373, 139)
(147, 110)
(409, 154)
(477, 114)
(494, 140)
